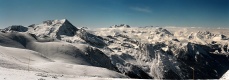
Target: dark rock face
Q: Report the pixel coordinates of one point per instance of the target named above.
(32, 25)
(98, 58)
(90, 38)
(129, 69)
(121, 25)
(136, 72)
(18, 28)
(162, 31)
(67, 29)
(193, 61)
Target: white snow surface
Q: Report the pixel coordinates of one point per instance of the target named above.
(14, 74)
(225, 76)
(24, 60)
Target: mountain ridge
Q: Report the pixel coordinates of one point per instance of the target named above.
(159, 53)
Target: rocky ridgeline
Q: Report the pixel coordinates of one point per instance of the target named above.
(18, 28)
(120, 26)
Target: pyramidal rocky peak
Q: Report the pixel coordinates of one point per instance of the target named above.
(54, 28)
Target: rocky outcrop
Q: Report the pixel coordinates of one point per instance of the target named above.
(120, 26)
(17, 28)
(191, 61)
(90, 38)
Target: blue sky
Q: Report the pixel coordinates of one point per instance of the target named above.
(104, 13)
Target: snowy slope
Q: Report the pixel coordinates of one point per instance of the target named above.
(12, 74)
(47, 56)
(24, 59)
(225, 76)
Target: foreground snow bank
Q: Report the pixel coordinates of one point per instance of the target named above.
(225, 76)
(13, 74)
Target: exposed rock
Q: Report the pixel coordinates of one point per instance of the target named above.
(18, 28)
(120, 26)
(90, 38)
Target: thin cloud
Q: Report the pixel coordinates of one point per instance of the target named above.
(140, 9)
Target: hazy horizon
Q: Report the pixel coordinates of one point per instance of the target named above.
(104, 13)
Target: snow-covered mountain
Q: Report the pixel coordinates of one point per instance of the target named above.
(58, 47)
(53, 29)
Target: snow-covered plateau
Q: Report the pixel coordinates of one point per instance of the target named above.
(56, 49)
